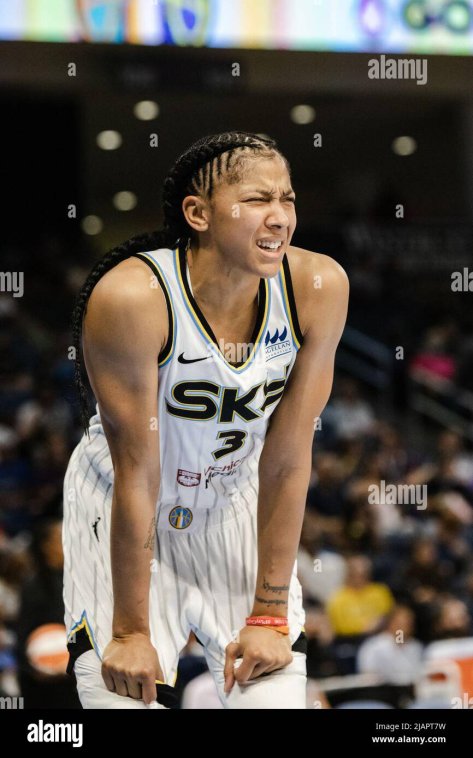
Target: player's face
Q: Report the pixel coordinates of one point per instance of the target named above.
(259, 209)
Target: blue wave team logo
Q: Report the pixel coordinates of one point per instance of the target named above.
(276, 344)
(187, 22)
(180, 517)
(102, 20)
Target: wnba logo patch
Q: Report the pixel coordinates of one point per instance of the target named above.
(180, 517)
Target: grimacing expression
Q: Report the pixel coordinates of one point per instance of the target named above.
(257, 210)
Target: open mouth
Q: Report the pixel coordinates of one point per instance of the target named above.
(271, 247)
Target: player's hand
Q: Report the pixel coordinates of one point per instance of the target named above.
(262, 650)
(130, 667)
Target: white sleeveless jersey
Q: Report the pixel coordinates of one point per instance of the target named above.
(214, 400)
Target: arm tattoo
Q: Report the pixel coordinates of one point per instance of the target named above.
(274, 588)
(150, 539)
(267, 601)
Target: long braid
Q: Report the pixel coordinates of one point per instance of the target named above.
(139, 243)
(192, 173)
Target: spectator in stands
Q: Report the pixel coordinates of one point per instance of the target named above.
(423, 570)
(360, 605)
(393, 654)
(357, 609)
(434, 364)
(350, 454)
(50, 461)
(452, 620)
(395, 459)
(14, 566)
(16, 477)
(351, 415)
(453, 515)
(385, 516)
(43, 413)
(451, 451)
(325, 498)
(321, 572)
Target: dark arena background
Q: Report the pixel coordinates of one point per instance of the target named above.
(372, 103)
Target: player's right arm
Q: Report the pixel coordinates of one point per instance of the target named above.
(125, 328)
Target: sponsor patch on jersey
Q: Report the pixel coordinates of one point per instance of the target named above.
(180, 517)
(188, 478)
(226, 470)
(276, 344)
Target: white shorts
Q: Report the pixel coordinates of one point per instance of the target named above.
(282, 689)
(202, 580)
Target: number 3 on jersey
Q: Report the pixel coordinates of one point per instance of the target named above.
(234, 440)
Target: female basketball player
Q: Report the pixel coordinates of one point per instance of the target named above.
(210, 349)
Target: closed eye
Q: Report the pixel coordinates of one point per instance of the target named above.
(264, 200)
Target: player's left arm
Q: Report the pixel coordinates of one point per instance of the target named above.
(285, 465)
(286, 460)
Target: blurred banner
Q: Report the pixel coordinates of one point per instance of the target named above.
(393, 26)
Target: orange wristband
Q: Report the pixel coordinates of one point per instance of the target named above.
(266, 621)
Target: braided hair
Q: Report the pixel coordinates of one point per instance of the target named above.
(194, 172)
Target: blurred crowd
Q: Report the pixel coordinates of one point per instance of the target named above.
(385, 303)
(386, 571)
(386, 546)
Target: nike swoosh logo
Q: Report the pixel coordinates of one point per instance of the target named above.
(181, 359)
